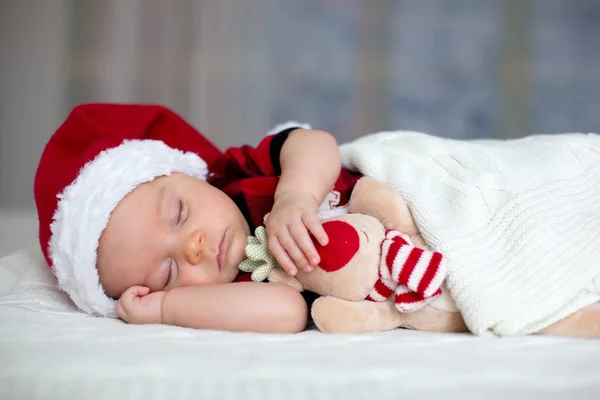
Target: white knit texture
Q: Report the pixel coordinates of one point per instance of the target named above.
(518, 221)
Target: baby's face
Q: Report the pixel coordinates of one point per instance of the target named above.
(174, 231)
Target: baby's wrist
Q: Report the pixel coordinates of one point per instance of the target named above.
(296, 194)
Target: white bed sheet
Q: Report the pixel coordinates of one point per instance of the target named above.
(50, 350)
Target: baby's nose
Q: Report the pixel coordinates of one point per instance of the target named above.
(194, 247)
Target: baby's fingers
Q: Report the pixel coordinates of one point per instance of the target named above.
(315, 227)
(127, 299)
(303, 240)
(282, 254)
(134, 292)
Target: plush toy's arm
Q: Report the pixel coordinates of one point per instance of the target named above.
(383, 202)
(279, 275)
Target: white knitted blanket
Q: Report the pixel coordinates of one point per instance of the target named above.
(517, 220)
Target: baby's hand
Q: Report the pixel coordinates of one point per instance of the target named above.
(294, 214)
(138, 306)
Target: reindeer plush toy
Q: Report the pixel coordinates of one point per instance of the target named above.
(375, 274)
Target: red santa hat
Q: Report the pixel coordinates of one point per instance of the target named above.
(96, 157)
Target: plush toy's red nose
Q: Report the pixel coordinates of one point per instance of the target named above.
(343, 245)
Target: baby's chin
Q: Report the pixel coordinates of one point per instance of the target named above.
(233, 272)
(240, 255)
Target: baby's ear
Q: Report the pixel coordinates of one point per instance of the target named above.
(280, 276)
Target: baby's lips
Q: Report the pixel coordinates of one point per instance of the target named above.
(344, 242)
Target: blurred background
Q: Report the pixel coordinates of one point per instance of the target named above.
(235, 68)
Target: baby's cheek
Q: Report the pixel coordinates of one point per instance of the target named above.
(195, 276)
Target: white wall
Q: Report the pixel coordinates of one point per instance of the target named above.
(32, 94)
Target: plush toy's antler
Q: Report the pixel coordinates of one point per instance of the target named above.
(259, 259)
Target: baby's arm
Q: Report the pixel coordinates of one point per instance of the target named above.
(310, 165)
(242, 306)
(310, 162)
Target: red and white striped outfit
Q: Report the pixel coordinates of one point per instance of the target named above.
(414, 275)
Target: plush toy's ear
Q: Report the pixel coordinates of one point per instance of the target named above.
(279, 275)
(383, 202)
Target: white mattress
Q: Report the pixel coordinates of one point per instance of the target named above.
(18, 228)
(50, 350)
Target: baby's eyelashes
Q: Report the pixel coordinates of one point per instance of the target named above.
(178, 212)
(165, 274)
(172, 272)
(182, 213)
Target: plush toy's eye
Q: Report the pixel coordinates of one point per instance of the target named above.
(344, 242)
(366, 236)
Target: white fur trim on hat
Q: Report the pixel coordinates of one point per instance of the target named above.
(85, 206)
(287, 125)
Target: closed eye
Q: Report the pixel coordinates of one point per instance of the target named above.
(182, 213)
(171, 274)
(366, 236)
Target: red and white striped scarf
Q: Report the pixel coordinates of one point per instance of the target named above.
(413, 274)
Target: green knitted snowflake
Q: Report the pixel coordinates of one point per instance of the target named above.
(259, 260)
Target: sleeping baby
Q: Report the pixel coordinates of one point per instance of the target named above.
(141, 217)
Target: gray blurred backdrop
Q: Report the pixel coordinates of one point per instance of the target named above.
(234, 68)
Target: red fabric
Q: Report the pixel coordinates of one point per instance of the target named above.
(92, 128)
(247, 175)
(243, 277)
(343, 244)
(434, 264)
(382, 290)
(409, 264)
(408, 300)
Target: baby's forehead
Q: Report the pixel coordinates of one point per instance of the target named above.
(174, 178)
(150, 190)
